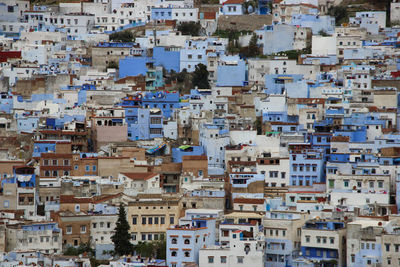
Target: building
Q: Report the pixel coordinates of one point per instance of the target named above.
(324, 241)
(184, 242)
(243, 249)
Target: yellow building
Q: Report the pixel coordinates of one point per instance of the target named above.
(150, 216)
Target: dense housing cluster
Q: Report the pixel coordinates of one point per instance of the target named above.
(202, 133)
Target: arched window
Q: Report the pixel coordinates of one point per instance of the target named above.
(173, 253)
(174, 241)
(47, 173)
(187, 254)
(187, 241)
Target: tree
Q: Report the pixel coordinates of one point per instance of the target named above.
(154, 249)
(340, 14)
(112, 65)
(124, 36)
(190, 28)
(83, 248)
(200, 77)
(121, 237)
(252, 50)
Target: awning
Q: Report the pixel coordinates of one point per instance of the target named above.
(155, 149)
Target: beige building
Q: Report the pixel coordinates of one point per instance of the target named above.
(103, 55)
(149, 216)
(283, 227)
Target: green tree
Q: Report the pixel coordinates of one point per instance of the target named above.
(200, 77)
(190, 28)
(121, 237)
(83, 248)
(123, 36)
(252, 50)
(340, 14)
(161, 248)
(112, 65)
(154, 249)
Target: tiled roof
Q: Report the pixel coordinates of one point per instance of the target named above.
(233, 2)
(340, 139)
(249, 200)
(73, 199)
(194, 157)
(209, 15)
(139, 175)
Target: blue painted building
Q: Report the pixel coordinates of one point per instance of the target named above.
(323, 242)
(134, 66)
(144, 124)
(161, 13)
(232, 71)
(6, 103)
(24, 176)
(179, 152)
(316, 23)
(145, 113)
(292, 84)
(169, 58)
(307, 165)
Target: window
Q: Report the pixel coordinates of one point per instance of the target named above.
(150, 220)
(174, 241)
(83, 229)
(66, 162)
(45, 162)
(210, 259)
(94, 167)
(332, 240)
(173, 253)
(162, 220)
(155, 220)
(55, 162)
(346, 183)
(307, 239)
(187, 254)
(240, 259)
(69, 230)
(223, 259)
(387, 246)
(171, 220)
(87, 168)
(143, 220)
(318, 239)
(134, 220)
(353, 258)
